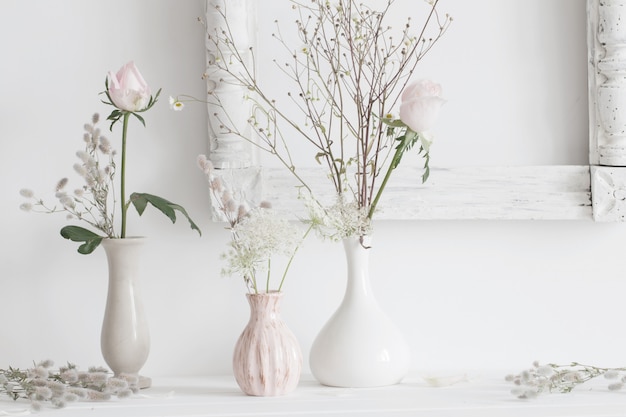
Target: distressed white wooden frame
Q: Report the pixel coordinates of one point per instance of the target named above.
(595, 191)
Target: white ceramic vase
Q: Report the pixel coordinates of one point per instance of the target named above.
(125, 337)
(359, 346)
(267, 360)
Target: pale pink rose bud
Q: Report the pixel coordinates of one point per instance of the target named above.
(420, 105)
(128, 90)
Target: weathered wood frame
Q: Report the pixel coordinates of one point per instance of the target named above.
(596, 191)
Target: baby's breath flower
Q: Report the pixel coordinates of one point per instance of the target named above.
(43, 393)
(125, 393)
(57, 387)
(26, 206)
(105, 146)
(230, 205)
(61, 184)
(58, 402)
(204, 164)
(38, 372)
(67, 201)
(216, 185)
(561, 378)
(80, 170)
(25, 192)
(94, 395)
(79, 392)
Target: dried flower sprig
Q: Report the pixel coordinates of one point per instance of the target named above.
(346, 76)
(258, 234)
(41, 384)
(90, 202)
(562, 378)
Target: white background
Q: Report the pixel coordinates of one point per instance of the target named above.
(468, 294)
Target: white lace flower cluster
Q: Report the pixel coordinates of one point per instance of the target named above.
(561, 378)
(42, 385)
(259, 234)
(90, 202)
(337, 221)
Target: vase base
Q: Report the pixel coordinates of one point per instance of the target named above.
(144, 382)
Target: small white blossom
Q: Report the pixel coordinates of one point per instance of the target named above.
(176, 104)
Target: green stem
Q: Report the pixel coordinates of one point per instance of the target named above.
(394, 163)
(407, 141)
(123, 176)
(292, 256)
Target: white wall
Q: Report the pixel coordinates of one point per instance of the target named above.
(468, 294)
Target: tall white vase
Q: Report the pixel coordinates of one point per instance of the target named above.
(359, 346)
(125, 337)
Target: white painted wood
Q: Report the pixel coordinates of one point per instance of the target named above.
(547, 192)
(227, 150)
(529, 192)
(608, 185)
(607, 81)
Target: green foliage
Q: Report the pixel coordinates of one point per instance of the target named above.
(79, 234)
(141, 200)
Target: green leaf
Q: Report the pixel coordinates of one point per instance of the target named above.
(143, 122)
(141, 200)
(426, 173)
(80, 234)
(318, 157)
(394, 122)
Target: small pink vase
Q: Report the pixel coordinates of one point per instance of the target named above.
(267, 360)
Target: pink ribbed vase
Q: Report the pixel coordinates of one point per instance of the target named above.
(267, 360)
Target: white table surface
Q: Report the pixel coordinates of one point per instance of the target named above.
(480, 396)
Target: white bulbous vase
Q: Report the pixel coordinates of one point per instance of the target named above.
(359, 346)
(125, 337)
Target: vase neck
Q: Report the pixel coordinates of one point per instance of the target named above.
(265, 306)
(357, 257)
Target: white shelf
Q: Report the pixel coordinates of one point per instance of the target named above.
(481, 396)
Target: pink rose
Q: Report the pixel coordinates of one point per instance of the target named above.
(127, 89)
(420, 105)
